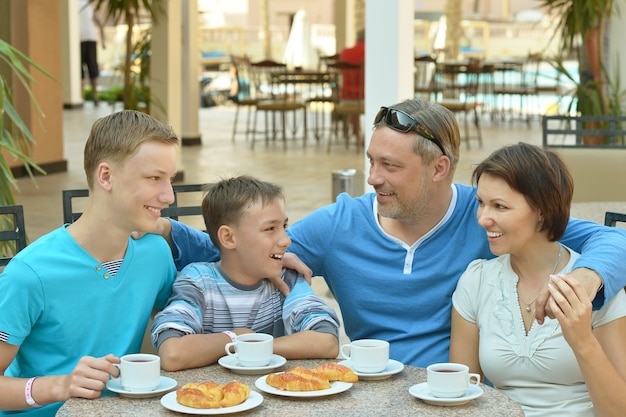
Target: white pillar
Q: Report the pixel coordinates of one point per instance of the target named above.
(166, 78)
(190, 63)
(345, 32)
(389, 58)
(70, 55)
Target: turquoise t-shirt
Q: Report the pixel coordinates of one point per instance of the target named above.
(59, 304)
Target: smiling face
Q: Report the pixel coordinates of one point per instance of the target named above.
(401, 179)
(510, 222)
(259, 241)
(141, 186)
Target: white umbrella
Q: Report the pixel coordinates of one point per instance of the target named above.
(299, 51)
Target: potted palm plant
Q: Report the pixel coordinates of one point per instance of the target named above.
(582, 25)
(129, 11)
(15, 137)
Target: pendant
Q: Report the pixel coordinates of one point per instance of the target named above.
(528, 308)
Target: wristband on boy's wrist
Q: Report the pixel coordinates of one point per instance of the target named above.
(230, 334)
(28, 393)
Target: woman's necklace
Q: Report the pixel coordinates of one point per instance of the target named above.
(558, 261)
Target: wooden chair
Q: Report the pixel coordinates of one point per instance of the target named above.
(246, 94)
(187, 203)
(278, 100)
(348, 100)
(515, 80)
(12, 232)
(460, 87)
(425, 83)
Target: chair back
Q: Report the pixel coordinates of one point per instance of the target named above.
(241, 79)
(349, 80)
(261, 75)
(611, 218)
(324, 60)
(187, 202)
(12, 232)
(425, 72)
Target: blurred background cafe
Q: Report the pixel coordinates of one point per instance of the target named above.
(511, 70)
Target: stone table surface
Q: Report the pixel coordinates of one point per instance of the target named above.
(386, 397)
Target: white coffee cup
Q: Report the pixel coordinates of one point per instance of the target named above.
(367, 355)
(139, 372)
(252, 349)
(450, 380)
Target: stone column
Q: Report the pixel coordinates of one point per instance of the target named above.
(35, 31)
(166, 78)
(190, 65)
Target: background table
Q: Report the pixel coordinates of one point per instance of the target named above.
(387, 397)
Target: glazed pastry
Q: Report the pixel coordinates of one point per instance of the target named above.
(212, 395)
(234, 393)
(336, 372)
(195, 398)
(298, 379)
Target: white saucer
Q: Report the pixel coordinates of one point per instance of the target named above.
(166, 384)
(422, 392)
(393, 367)
(231, 363)
(169, 401)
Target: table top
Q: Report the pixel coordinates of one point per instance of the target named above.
(386, 397)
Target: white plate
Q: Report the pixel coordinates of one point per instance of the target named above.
(231, 363)
(335, 388)
(393, 367)
(166, 384)
(169, 401)
(422, 392)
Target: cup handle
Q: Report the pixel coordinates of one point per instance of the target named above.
(228, 351)
(474, 379)
(343, 351)
(119, 369)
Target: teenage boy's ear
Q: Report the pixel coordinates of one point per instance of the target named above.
(102, 176)
(226, 235)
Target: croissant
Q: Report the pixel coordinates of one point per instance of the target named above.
(212, 395)
(195, 398)
(208, 388)
(336, 372)
(234, 393)
(298, 379)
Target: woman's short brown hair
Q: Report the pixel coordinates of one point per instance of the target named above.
(540, 176)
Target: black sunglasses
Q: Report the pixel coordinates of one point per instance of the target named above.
(403, 122)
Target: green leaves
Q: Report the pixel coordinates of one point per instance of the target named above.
(15, 137)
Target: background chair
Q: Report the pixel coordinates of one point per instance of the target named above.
(245, 92)
(611, 219)
(459, 89)
(348, 101)
(515, 80)
(278, 99)
(425, 81)
(187, 203)
(12, 232)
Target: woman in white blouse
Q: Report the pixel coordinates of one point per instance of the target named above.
(572, 365)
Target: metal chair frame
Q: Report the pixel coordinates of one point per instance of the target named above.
(15, 233)
(174, 211)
